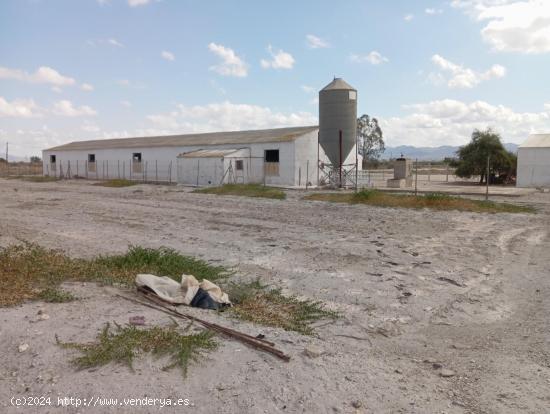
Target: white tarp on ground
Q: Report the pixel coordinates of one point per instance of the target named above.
(181, 293)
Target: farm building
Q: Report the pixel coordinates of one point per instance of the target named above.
(294, 156)
(534, 162)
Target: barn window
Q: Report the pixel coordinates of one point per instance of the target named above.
(271, 163)
(239, 165)
(91, 157)
(52, 159)
(271, 155)
(136, 163)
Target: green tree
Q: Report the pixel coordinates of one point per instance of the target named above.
(370, 139)
(472, 157)
(34, 158)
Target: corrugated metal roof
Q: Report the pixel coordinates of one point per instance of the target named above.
(537, 141)
(338, 83)
(211, 138)
(208, 153)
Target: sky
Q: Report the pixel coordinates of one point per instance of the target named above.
(430, 71)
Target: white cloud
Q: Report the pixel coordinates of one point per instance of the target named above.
(451, 122)
(227, 116)
(90, 127)
(114, 42)
(43, 74)
(231, 64)
(66, 108)
(408, 17)
(511, 25)
(280, 60)
(432, 11)
(307, 89)
(462, 77)
(19, 108)
(136, 3)
(126, 103)
(56, 89)
(168, 55)
(374, 58)
(86, 87)
(315, 42)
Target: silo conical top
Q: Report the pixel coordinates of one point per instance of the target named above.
(338, 83)
(337, 115)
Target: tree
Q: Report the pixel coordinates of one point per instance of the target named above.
(34, 158)
(370, 138)
(472, 157)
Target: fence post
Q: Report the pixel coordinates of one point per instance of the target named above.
(145, 170)
(170, 172)
(307, 174)
(416, 177)
(429, 171)
(447, 171)
(118, 168)
(198, 169)
(86, 166)
(487, 178)
(299, 176)
(77, 172)
(131, 165)
(156, 172)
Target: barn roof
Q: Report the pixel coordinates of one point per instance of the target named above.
(210, 138)
(537, 141)
(213, 153)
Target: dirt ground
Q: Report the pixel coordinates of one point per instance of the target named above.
(410, 339)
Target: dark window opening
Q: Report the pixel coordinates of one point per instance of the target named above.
(136, 156)
(52, 159)
(271, 155)
(91, 157)
(239, 165)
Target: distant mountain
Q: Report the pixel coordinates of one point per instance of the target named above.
(429, 153)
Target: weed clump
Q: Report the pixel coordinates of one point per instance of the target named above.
(257, 303)
(123, 344)
(245, 190)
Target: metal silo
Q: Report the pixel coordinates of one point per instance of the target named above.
(337, 120)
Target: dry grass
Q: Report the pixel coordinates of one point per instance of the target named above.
(125, 343)
(117, 183)
(433, 201)
(245, 190)
(33, 178)
(257, 303)
(29, 271)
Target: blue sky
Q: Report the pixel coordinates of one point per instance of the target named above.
(431, 71)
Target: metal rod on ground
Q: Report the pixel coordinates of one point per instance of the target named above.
(487, 178)
(416, 177)
(245, 338)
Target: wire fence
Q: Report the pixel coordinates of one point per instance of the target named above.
(20, 168)
(146, 170)
(426, 176)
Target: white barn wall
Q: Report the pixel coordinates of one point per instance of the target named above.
(533, 167)
(163, 156)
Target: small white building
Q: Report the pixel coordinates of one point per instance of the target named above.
(533, 168)
(279, 157)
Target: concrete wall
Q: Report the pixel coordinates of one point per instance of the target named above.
(533, 167)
